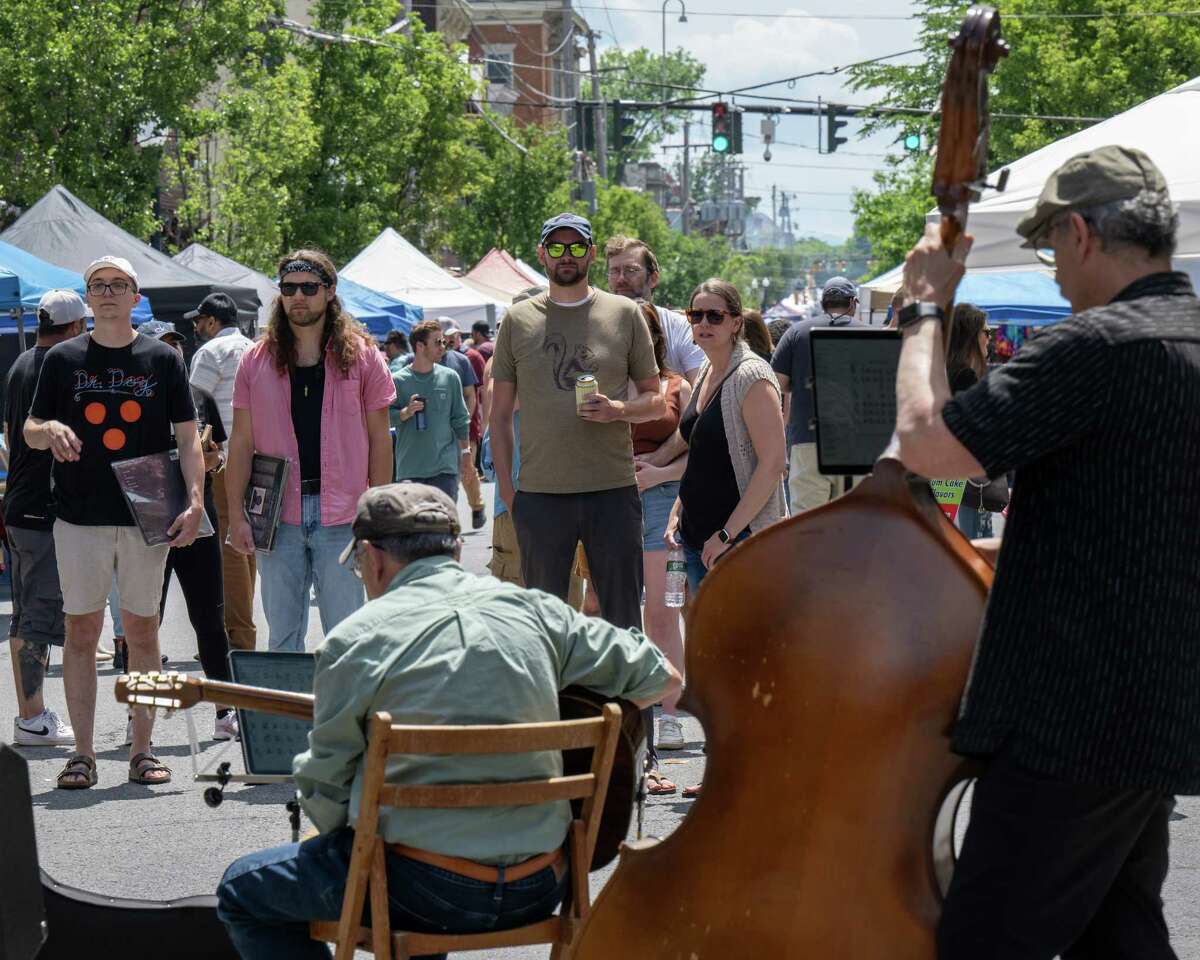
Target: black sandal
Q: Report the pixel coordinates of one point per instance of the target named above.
(80, 765)
(143, 763)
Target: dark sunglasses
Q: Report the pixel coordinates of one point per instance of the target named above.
(714, 317)
(578, 250)
(308, 289)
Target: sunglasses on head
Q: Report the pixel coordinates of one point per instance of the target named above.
(308, 289)
(578, 250)
(714, 317)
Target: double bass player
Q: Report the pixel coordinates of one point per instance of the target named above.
(1084, 697)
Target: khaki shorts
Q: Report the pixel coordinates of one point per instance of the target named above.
(87, 558)
(506, 553)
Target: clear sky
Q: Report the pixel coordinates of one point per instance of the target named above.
(768, 40)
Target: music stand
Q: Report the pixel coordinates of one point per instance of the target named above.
(269, 742)
(854, 395)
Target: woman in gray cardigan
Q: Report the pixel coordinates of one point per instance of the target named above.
(733, 484)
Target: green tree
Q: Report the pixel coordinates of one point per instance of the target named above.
(893, 215)
(638, 75)
(87, 91)
(515, 192)
(1070, 66)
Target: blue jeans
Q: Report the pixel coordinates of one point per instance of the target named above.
(446, 482)
(696, 571)
(306, 556)
(267, 899)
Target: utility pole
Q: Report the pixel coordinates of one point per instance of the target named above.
(598, 112)
(570, 85)
(685, 188)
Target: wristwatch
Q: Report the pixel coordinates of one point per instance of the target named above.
(916, 312)
(723, 535)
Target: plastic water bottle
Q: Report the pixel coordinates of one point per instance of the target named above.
(676, 585)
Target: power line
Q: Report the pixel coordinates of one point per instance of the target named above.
(885, 17)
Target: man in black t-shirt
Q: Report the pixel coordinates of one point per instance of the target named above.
(37, 616)
(103, 397)
(1084, 694)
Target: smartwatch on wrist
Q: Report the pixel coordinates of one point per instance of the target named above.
(916, 312)
(723, 535)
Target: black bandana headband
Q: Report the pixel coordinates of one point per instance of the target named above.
(305, 266)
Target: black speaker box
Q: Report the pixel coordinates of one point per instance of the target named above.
(22, 912)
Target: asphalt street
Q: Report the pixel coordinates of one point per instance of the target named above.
(163, 842)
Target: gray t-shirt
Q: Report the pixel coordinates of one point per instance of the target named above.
(793, 358)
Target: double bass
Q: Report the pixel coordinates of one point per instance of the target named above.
(827, 691)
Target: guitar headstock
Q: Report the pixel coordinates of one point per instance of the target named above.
(169, 691)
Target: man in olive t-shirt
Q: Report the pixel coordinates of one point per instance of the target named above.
(577, 481)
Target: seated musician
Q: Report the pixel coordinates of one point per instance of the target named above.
(1084, 698)
(434, 645)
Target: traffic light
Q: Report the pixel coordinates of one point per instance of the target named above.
(737, 132)
(585, 126)
(621, 136)
(722, 128)
(832, 126)
(912, 141)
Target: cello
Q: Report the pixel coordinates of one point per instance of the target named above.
(827, 692)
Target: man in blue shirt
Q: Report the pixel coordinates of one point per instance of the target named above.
(792, 363)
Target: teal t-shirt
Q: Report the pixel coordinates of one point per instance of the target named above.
(434, 450)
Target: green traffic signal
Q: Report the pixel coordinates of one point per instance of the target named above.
(720, 143)
(912, 141)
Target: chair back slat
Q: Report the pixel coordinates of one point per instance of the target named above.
(507, 738)
(521, 793)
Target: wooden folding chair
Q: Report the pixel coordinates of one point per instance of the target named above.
(367, 870)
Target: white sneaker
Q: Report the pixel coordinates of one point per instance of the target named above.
(670, 733)
(226, 727)
(129, 732)
(46, 729)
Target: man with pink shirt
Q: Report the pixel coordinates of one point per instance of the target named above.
(315, 391)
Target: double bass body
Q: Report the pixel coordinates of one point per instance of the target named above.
(826, 658)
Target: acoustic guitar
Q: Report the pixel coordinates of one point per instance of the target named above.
(178, 691)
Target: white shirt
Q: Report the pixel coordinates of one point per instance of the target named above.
(683, 355)
(214, 366)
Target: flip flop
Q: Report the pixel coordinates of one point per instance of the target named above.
(144, 763)
(691, 793)
(79, 766)
(659, 786)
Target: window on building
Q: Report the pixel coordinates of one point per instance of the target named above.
(500, 67)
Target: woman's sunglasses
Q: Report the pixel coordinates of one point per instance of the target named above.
(308, 289)
(578, 250)
(714, 317)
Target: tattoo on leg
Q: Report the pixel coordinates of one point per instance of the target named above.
(34, 659)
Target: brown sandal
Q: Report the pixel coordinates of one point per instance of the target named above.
(659, 786)
(144, 763)
(81, 771)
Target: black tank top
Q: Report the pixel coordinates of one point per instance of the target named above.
(708, 491)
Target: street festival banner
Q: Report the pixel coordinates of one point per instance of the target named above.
(949, 495)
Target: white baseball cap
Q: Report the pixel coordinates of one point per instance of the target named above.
(117, 263)
(62, 307)
(448, 325)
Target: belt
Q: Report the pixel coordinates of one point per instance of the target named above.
(485, 873)
(310, 487)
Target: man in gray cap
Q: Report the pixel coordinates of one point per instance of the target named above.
(427, 648)
(792, 363)
(567, 356)
(36, 623)
(1083, 699)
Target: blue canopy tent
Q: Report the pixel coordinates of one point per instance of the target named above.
(10, 289)
(1022, 298)
(35, 276)
(379, 312)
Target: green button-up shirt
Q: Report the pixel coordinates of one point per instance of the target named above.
(443, 646)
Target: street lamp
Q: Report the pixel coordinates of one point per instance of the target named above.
(663, 72)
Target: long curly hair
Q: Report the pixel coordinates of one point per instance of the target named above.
(341, 331)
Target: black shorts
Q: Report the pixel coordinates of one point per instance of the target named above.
(37, 614)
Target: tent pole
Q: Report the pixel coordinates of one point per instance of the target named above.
(19, 317)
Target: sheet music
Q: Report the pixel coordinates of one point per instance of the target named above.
(854, 399)
(270, 742)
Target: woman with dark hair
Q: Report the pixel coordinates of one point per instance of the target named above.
(966, 363)
(659, 486)
(758, 337)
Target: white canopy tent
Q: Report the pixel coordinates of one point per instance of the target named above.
(391, 264)
(1166, 127)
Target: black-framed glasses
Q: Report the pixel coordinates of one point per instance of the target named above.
(118, 288)
(309, 289)
(578, 250)
(714, 317)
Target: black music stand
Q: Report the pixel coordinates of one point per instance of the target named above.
(854, 396)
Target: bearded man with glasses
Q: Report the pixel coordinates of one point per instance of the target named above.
(577, 481)
(314, 391)
(1083, 700)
